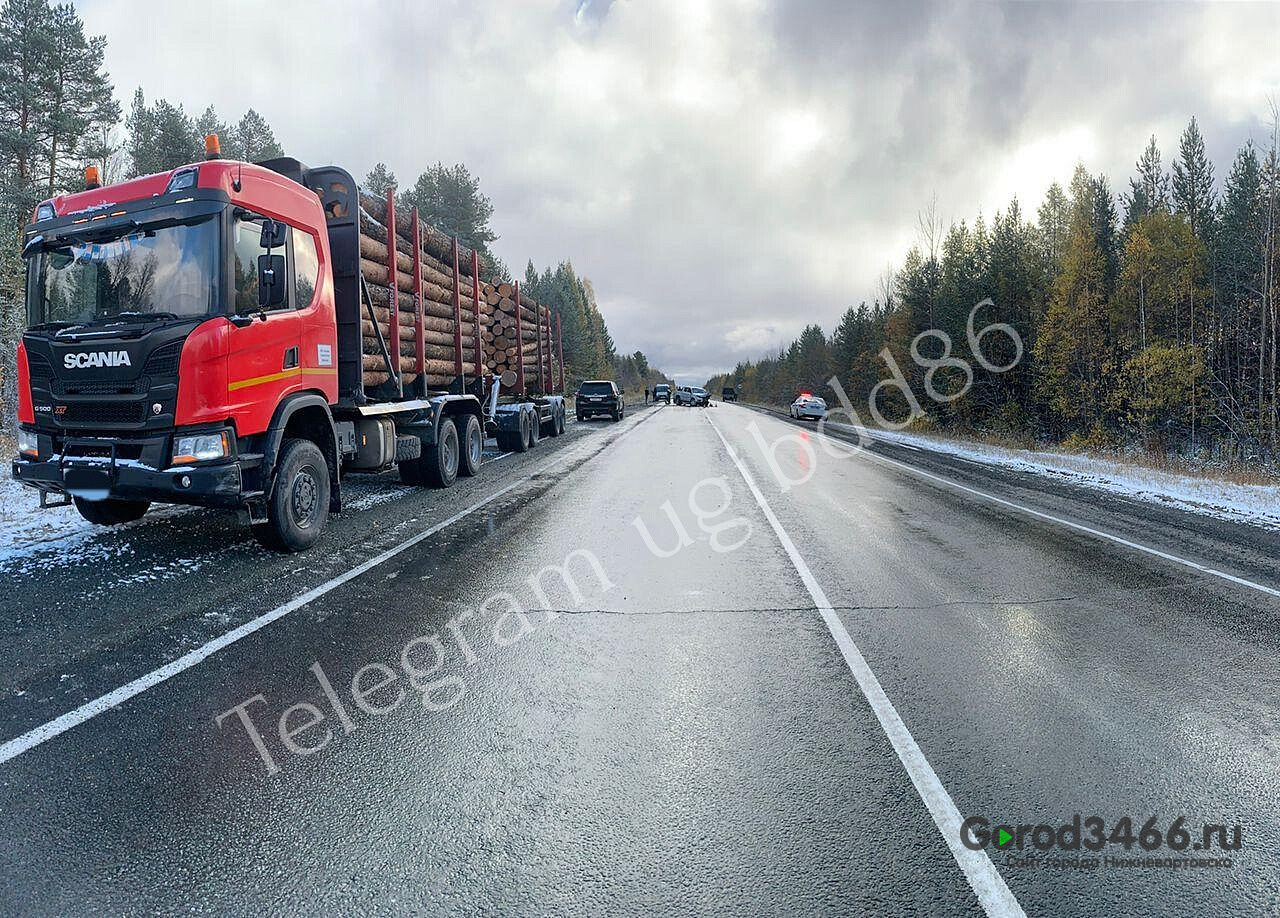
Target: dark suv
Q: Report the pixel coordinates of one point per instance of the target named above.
(599, 396)
(662, 393)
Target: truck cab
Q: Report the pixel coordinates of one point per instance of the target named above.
(183, 346)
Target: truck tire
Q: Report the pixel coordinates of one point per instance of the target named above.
(471, 439)
(299, 503)
(534, 429)
(440, 460)
(411, 471)
(111, 512)
(519, 440)
(557, 423)
(507, 442)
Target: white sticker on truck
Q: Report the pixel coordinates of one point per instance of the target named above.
(324, 355)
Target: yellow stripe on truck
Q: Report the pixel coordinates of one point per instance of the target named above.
(276, 377)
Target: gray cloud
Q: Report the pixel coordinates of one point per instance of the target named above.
(723, 170)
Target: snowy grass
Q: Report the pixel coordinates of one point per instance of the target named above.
(1238, 501)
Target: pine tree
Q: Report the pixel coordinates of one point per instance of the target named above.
(26, 90)
(81, 98)
(1193, 182)
(26, 49)
(161, 137)
(1149, 190)
(1104, 231)
(449, 198)
(254, 139)
(380, 180)
(1054, 220)
(140, 128)
(209, 123)
(1071, 346)
(175, 137)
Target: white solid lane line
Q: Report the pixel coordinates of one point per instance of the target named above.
(1049, 517)
(983, 877)
(113, 699)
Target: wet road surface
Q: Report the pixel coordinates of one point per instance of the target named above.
(616, 676)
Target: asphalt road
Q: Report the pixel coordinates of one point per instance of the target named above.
(774, 678)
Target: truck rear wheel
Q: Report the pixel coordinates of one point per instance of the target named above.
(440, 460)
(557, 423)
(471, 438)
(111, 512)
(299, 503)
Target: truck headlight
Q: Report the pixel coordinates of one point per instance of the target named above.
(201, 447)
(28, 443)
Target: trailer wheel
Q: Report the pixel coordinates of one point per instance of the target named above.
(299, 504)
(111, 512)
(471, 438)
(519, 440)
(440, 461)
(534, 430)
(557, 423)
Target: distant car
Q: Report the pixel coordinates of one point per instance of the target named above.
(808, 406)
(693, 396)
(597, 397)
(662, 393)
(729, 394)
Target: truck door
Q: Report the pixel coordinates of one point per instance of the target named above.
(264, 357)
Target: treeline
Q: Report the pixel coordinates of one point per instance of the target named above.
(589, 351)
(1147, 318)
(58, 114)
(449, 198)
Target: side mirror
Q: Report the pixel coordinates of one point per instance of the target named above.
(271, 281)
(273, 234)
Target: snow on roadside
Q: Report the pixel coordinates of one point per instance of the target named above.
(26, 529)
(1258, 505)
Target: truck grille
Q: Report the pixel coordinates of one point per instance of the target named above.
(40, 370)
(108, 388)
(88, 414)
(164, 360)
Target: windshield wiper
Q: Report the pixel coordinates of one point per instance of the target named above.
(144, 316)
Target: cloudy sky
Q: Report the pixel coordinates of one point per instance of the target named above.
(724, 171)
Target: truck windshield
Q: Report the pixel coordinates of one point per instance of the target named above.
(168, 271)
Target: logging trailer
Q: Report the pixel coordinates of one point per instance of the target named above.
(222, 335)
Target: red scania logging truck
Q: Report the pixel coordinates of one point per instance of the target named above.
(195, 337)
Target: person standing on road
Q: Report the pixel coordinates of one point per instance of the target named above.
(646, 395)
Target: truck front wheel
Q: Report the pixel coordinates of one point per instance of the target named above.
(299, 504)
(111, 512)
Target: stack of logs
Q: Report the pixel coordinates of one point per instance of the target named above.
(507, 345)
(512, 342)
(438, 278)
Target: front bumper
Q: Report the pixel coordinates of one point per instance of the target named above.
(218, 485)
